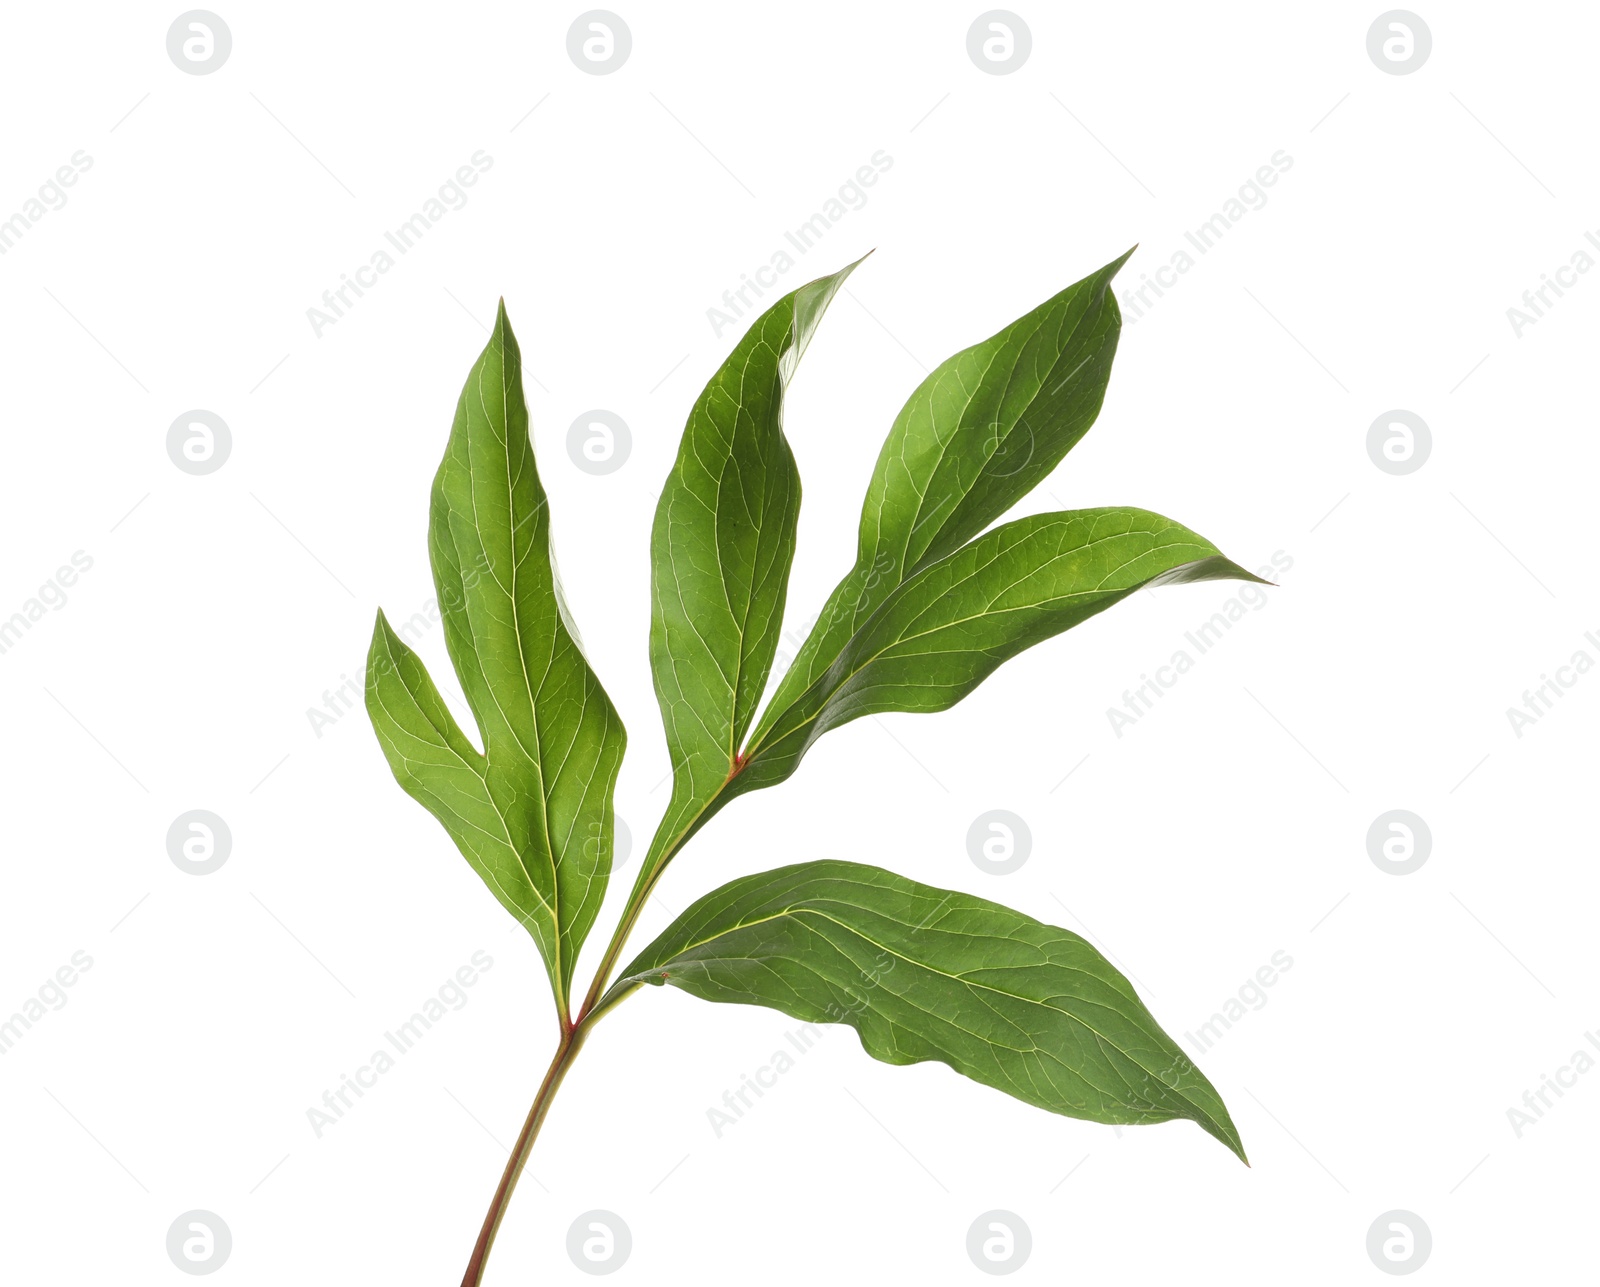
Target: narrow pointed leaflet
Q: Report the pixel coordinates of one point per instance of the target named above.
(937, 636)
(720, 551)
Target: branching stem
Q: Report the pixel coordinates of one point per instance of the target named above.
(573, 1033)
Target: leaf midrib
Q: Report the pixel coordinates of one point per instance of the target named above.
(535, 759)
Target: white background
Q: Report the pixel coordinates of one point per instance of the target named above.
(1227, 824)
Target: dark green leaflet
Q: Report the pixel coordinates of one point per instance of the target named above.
(931, 974)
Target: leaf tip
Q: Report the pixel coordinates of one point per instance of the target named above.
(1227, 1134)
(851, 267)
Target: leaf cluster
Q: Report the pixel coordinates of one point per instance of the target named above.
(941, 593)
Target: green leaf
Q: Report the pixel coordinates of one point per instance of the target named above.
(974, 438)
(533, 812)
(931, 974)
(939, 635)
(720, 552)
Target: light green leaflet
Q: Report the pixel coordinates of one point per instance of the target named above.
(930, 974)
(721, 549)
(533, 813)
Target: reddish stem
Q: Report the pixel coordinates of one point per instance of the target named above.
(566, 1051)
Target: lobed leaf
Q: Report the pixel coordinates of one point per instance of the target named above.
(931, 974)
(537, 825)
